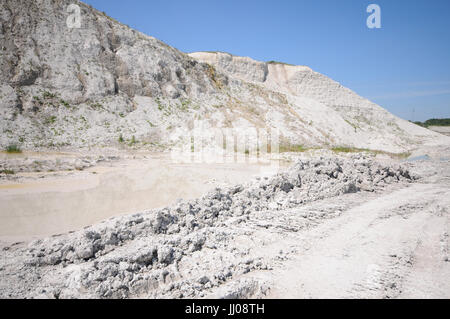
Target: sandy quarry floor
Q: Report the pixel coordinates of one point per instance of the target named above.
(39, 204)
(390, 239)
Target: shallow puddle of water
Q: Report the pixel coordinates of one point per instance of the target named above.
(61, 204)
(418, 158)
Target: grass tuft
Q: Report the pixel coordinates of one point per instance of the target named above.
(347, 149)
(7, 172)
(13, 149)
(133, 141)
(292, 148)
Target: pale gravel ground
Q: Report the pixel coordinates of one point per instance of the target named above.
(346, 228)
(393, 246)
(389, 243)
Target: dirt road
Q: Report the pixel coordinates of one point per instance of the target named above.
(392, 246)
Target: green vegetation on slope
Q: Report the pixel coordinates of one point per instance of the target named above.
(346, 149)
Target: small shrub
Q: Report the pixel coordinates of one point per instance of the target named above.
(185, 105)
(38, 100)
(66, 104)
(133, 141)
(13, 149)
(50, 120)
(96, 106)
(48, 95)
(121, 140)
(160, 106)
(7, 172)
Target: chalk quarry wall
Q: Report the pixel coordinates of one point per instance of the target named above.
(105, 82)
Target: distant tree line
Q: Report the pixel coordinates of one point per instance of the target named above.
(434, 122)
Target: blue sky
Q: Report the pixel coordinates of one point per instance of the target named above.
(404, 66)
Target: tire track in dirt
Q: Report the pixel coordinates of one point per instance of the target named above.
(375, 250)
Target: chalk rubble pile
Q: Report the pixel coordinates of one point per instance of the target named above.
(140, 253)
